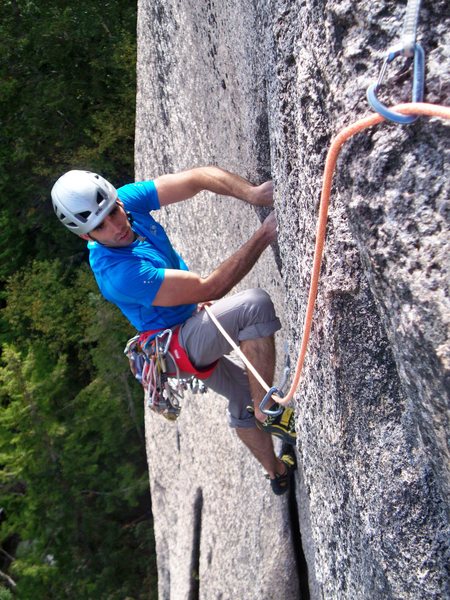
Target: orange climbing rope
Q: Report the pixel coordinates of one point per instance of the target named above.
(413, 108)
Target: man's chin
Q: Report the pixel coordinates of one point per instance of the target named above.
(126, 240)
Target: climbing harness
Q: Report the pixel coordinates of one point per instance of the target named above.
(148, 355)
(414, 53)
(345, 134)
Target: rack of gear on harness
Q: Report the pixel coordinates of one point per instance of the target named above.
(163, 390)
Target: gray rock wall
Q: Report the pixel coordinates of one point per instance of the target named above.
(260, 88)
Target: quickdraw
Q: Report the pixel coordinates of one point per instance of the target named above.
(414, 53)
(163, 390)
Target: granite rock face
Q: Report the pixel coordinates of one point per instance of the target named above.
(260, 89)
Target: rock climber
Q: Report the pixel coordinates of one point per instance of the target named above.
(137, 269)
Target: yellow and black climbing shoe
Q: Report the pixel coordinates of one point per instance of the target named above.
(280, 483)
(281, 426)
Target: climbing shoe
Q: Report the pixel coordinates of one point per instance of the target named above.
(280, 483)
(281, 426)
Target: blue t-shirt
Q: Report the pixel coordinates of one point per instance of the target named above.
(131, 276)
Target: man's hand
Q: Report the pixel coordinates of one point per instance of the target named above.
(261, 195)
(270, 227)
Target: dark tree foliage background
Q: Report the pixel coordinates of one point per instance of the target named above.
(75, 517)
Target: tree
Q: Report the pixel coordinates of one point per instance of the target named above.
(67, 100)
(74, 479)
(73, 474)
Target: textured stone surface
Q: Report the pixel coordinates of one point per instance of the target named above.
(373, 409)
(262, 87)
(220, 532)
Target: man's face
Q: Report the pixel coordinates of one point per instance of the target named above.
(115, 229)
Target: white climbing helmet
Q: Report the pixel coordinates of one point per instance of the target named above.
(82, 200)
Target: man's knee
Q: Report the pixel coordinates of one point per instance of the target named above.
(241, 421)
(257, 315)
(258, 299)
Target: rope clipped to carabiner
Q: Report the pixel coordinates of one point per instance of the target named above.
(413, 52)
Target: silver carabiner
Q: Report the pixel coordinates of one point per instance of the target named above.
(279, 391)
(265, 400)
(165, 349)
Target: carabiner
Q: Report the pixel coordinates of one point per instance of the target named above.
(164, 349)
(265, 400)
(417, 86)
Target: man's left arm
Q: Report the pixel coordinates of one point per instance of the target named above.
(182, 186)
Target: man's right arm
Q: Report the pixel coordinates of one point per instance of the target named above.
(185, 287)
(176, 187)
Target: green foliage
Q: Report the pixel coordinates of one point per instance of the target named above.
(43, 303)
(5, 594)
(67, 100)
(73, 480)
(73, 473)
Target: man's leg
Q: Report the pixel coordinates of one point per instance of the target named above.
(230, 380)
(250, 319)
(261, 353)
(260, 445)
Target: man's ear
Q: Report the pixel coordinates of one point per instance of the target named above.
(85, 236)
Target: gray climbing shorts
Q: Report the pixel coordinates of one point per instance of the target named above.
(247, 315)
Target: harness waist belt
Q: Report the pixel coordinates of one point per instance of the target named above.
(179, 354)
